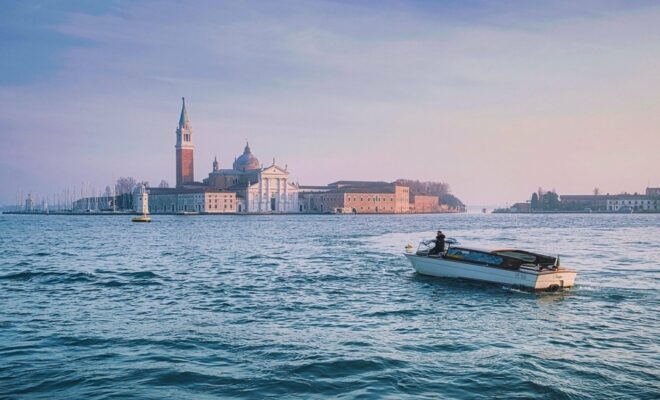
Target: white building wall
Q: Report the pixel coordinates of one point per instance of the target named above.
(644, 204)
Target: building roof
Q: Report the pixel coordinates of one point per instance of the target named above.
(247, 161)
(356, 190)
(359, 183)
(185, 190)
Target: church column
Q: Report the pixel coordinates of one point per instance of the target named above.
(286, 195)
(260, 192)
(268, 195)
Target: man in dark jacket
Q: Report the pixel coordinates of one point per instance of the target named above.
(439, 244)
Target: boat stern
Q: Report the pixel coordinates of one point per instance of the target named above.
(556, 280)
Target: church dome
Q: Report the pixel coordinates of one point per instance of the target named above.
(246, 161)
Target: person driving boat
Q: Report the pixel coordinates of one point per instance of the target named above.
(439, 247)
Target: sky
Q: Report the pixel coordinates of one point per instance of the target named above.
(496, 98)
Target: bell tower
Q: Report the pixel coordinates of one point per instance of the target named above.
(184, 149)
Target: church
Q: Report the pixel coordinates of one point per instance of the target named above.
(247, 187)
(258, 189)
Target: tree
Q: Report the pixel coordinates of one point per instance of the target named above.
(125, 185)
(163, 184)
(535, 201)
(433, 188)
(550, 201)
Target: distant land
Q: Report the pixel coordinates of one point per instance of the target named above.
(543, 201)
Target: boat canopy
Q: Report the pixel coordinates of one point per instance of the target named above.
(528, 257)
(477, 256)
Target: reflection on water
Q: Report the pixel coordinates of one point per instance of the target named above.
(325, 306)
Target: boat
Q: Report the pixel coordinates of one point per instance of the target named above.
(142, 218)
(187, 213)
(517, 268)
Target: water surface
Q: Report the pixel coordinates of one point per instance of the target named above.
(202, 307)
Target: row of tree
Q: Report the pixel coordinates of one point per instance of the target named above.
(440, 189)
(127, 184)
(419, 187)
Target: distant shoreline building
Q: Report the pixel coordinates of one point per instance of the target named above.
(364, 197)
(648, 202)
(604, 203)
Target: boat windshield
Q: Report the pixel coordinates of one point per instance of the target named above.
(425, 247)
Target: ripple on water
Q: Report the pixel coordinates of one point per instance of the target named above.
(323, 307)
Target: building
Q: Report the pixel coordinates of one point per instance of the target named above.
(649, 202)
(653, 191)
(422, 203)
(582, 202)
(259, 189)
(633, 202)
(200, 200)
(357, 197)
(185, 172)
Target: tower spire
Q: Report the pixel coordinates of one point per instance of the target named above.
(183, 119)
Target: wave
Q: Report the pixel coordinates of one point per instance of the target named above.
(49, 277)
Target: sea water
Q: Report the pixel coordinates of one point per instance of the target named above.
(317, 306)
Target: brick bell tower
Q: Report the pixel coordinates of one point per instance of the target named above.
(184, 149)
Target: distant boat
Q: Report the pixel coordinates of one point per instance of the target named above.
(187, 213)
(509, 266)
(484, 210)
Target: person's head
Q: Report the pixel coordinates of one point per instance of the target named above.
(439, 233)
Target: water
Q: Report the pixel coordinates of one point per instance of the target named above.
(321, 306)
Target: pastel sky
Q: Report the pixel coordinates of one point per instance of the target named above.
(496, 98)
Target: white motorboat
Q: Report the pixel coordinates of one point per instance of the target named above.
(517, 268)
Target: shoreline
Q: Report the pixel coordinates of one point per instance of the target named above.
(120, 213)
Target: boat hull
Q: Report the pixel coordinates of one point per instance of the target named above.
(537, 280)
